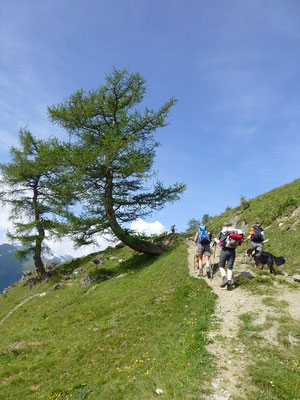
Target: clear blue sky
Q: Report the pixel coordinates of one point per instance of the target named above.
(233, 66)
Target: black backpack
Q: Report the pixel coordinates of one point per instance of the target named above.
(258, 235)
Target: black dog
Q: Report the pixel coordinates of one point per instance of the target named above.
(262, 258)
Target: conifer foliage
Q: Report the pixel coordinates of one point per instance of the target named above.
(112, 158)
(29, 184)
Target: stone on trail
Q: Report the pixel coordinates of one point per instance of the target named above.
(121, 276)
(225, 397)
(56, 286)
(243, 274)
(296, 278)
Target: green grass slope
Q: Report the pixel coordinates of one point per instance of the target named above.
(145, 328)
(120, 338)
(279, 213)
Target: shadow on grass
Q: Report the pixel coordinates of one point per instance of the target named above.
(135, 263)
(69, 267)
(108, 269)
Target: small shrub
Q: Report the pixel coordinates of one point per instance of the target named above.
(244, 202)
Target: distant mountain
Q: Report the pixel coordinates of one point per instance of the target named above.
(11, 269)
(53, 257)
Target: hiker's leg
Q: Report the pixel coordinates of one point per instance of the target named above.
(207, 263)
(200, 261)
(224, 255)
(230, 263)
(200, 266)
(223, 258)
(200, 253)
(206, 257)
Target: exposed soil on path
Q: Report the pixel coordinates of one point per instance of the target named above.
(230, 355)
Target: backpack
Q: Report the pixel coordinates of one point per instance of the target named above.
(258, 235)
(231, 239)
(231, 243)
(203, 234)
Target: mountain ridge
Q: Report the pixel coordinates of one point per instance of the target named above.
(11, 269)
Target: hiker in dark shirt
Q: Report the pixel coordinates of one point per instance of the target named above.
(257, 237)
(229, 239)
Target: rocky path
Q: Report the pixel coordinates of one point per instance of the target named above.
(230, 355)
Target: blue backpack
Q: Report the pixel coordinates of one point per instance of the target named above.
(203, 235)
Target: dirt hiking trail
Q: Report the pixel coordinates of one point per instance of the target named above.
(230, 355)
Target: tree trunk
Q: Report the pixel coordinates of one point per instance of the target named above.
(39, 265)
(132, 241)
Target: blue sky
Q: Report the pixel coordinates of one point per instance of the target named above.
(233, 66)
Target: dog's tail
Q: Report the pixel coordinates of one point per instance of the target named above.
(279, 260)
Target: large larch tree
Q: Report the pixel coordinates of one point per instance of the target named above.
(112, 158)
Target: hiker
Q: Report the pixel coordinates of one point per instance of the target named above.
(229, 239)
(173, 228)
(202, 240)
(257, 237)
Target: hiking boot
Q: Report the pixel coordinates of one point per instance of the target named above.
(200, 272)
(224, 281)
(229, 285)
(208, 272)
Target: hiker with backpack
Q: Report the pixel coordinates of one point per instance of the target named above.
(202, 240)
(173, 228)
(229, 239)
(257, 237)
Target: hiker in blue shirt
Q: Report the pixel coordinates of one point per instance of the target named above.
(202, 240)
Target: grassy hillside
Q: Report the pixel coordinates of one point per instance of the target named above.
(120, 338)
(141, 323)
(278, 211)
